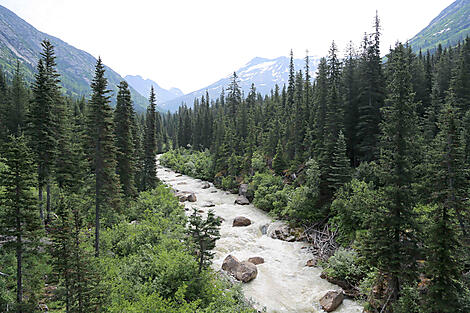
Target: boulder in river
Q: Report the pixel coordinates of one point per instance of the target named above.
(242, 200)
(332, 300)
(184, 196)
(241, 221)
(242, 271)
(246, 271)
(243, 190)
(282, 232)
(213, 191)
(192, 197)
(256, 260)
(312, 263)
(208, 204)
(264, 229)
(205, 185)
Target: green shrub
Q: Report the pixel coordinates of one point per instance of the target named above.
(345, 265)
(352, 208)
(266, 188)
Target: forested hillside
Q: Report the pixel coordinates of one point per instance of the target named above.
(377, 151)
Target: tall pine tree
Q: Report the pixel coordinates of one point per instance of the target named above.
(101, 149)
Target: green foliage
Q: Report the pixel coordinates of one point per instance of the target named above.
(409, 301)
(352, 209)
(229, 183)
(269, 192)
(147, 268)
(20, 222)
(204, 234)
(258, 162)
(304, 200)
(194, 163)
(345, 265)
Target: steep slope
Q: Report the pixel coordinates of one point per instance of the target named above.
(264, 73)
(143, 87)
(21, 41)
(449, 27)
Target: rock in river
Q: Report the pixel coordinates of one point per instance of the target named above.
(256, 260)
(242, 200)
(242, 271)
(241, 221)
(332, 300)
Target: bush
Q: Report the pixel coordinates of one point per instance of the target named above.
(266, 187)
(345, 265)
(192, 163)
(258, 163)
(352, 208)
(229, 183)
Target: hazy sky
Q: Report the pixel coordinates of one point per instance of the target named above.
(191, 43)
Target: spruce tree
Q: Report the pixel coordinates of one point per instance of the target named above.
(391, 242)
(20, 221)
(340, 170)
(101, 150)
(16, 104)
(371, 95)
(449, 180)
(124, 122)
(42, 122)
(204, 234)
(149, 179)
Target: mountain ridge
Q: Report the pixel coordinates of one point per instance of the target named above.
(143, 87)
(448, 28)
(19, 40)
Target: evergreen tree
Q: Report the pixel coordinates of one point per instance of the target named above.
(340, 171)
(124, 122)
(101, 150)
(391, 243)
(42, 121)
(150, 146)
(20, 221)
(16, 104)
(449, 180)
(371, 95)
(204, 233)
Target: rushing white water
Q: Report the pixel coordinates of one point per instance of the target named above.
(284, 284)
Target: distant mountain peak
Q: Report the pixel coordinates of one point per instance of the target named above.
(263, 72)
(143, 87)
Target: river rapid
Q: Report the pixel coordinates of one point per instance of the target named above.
(284, 284)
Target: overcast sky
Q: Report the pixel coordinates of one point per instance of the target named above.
(190, 44)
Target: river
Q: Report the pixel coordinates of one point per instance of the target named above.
(284, 284)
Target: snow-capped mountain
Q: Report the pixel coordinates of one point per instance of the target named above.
(264, 73)
(143, 87)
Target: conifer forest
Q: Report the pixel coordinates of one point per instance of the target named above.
(372, 153)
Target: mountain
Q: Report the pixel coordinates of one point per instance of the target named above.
(448, 28)
(143, 87)
(21, 41)
(264, 73)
